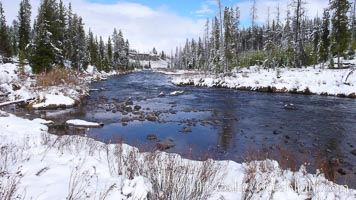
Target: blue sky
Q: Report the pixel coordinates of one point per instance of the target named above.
(186, 8)
(163, 24)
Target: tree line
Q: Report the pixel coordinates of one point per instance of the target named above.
(295, 41)
(57, 38)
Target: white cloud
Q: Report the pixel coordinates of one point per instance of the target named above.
(143, 26)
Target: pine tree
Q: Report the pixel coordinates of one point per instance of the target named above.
(5, 46)
(45, 52)
(217, 54)
(228, 37)
(325, 37)
(340, 34)
(24, 19)
(14, 30)
(109, 51)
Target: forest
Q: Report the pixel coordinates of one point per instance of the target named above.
(295, 41)
(57, 38)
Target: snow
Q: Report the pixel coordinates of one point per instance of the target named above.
(45, 166)
(316, 80)
(82, 123)
(50, 100)
(52, 167)
(155, 64)
(176, 93)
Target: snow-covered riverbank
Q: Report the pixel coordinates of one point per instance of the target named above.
(334, 82)
(16, 85)
(37, 165)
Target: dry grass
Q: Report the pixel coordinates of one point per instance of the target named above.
(57, 77)
(171, 176)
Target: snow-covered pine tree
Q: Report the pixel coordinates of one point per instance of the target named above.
(13, 33)
(235, 36)
(287, 40)
(340, 33)
(109, 51)
(24, 20)
(217, 55)
(45, 47)
(5, 46)
(228, 38)
(325, 37)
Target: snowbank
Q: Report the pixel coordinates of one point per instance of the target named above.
(22, 86)
(82, 123)
(54, 101)
(38, 165)
(305, 80)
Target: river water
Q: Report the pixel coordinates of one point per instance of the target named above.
(220, 123)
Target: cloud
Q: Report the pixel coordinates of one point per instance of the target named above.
(143, 26)
(204, 10)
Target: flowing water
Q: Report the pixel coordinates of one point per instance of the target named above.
(219, 123)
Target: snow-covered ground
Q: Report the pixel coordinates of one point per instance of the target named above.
(37, 165)
(15, 86)
(335, 82)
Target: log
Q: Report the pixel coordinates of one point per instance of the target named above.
(15, 102)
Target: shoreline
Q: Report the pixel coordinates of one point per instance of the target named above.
(306, 81)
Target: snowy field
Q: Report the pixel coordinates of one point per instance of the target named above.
(334, 82)
(37, 165)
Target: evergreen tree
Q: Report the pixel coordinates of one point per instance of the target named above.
(109, 51)
(340, 34)
(228, 37)
(14, 30)
(5, 46)
(325, 37)
(24, 20)
(45, 52)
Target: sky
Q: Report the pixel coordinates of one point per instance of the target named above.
(163, 24)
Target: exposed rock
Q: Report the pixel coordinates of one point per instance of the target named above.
(129, 103)
(128, 109)
(151, 118)
(186, 130)
(290, 106)
(186, 110)
(277, 132)
(125, 119)
(162, 94)
(165, 145)
(353, 152)
(158, 113)
(151, 137)
(341, 171)
(137, 108)
(16, 87)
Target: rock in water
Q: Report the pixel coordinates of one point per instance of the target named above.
(137, 108)
(151, 137)
(290, 106)
(151, 118)
(165, 145)
(353, 152)
(186, 130)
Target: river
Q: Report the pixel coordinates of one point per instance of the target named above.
(220, 123)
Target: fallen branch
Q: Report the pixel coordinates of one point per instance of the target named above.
(15, 102)
(347, 76)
